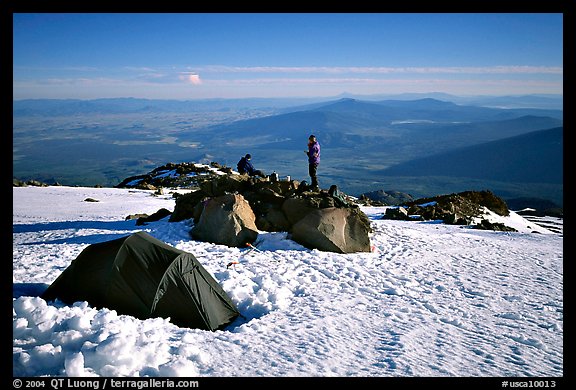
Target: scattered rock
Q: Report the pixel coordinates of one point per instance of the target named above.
(135, 216)
(158, 215)
(21, 183)
(454, 209)
(385, 198)
(487, 225)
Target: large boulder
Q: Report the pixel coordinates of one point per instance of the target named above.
(296, 208)
(226, 220)
(339, 230)
(271, 218)
(186, 206)
(225, 184)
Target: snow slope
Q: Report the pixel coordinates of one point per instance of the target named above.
(431, 300)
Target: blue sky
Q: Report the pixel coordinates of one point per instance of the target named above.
(192, 56)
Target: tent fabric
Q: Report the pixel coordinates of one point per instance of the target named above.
(142, 276)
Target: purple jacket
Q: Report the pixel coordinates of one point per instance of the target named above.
(314, 153)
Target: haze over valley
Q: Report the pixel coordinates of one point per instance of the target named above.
(417, 144)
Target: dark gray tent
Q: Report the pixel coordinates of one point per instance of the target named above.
(142, 276)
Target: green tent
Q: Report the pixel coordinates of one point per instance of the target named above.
(142, 276)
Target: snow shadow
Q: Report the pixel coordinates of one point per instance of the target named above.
(87, 239)
(65, 225)
(117, 229)
(28, 289)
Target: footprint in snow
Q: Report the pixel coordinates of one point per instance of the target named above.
(452, 321)
(528, 341)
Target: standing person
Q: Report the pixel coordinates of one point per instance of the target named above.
(313, 154)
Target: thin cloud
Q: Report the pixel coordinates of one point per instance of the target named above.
(286, 81)
(195, 79)
(508, 69)
(22, 68)
(78, 81)
(140, 69)
(229, 81)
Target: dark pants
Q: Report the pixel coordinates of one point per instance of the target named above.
(312, 169)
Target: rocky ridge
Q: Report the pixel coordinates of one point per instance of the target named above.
(274, 202)
(278, 205)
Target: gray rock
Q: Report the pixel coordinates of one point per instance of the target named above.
(226, 220)
(334, 230)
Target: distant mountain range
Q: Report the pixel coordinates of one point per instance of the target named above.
(424, 146)
(533, 157)
(348, 123)
(425, 109)
(54, 107)
(59, 107)
(544, 101)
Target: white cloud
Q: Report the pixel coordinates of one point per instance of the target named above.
(192, 78)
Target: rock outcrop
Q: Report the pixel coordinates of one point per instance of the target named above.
(455, 209)
(281, 206)
(276, 206)
(325, 220)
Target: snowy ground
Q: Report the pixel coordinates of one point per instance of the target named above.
(431, 300)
